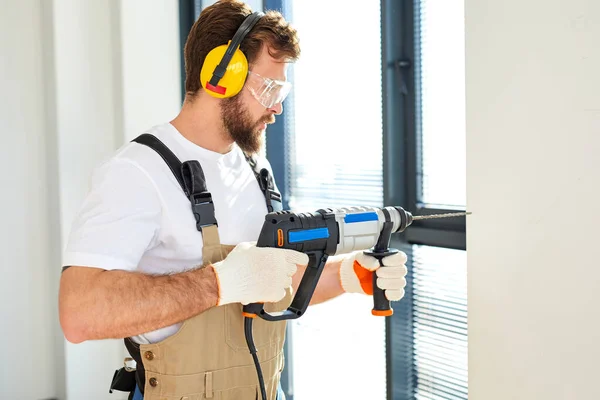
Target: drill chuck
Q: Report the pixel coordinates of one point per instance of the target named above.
(406, 219)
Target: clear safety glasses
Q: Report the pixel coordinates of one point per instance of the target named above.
(268, 92)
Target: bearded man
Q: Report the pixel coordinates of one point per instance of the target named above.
(141, 266)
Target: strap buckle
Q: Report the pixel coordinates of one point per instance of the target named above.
(203, 209)
(272, 197)
(129, 364)
(273, 201)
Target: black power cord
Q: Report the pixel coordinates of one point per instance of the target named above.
(252, 348)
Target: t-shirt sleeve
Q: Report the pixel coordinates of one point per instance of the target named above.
(118, 220)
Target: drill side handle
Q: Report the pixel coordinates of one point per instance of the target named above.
(381, 305)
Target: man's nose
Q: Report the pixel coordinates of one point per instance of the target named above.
(277, 109)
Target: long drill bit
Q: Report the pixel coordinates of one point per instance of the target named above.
(433, 216)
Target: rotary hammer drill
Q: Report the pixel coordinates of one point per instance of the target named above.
(325, 233)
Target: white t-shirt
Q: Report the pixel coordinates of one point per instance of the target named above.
(137, 217)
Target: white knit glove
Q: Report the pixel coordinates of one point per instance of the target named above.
(356, 274)
(251, 274)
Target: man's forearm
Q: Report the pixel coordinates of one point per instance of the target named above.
(99, 304)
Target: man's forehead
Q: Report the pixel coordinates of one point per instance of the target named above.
(277, 74)
(270, 67)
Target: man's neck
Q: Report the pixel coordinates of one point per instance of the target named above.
(199, 121)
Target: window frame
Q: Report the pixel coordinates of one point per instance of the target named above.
(187, 17)
(398, 102)
(401, 134)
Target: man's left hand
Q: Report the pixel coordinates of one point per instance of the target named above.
(356, 274)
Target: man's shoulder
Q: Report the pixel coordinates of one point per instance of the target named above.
(138, 154)
(132, 161)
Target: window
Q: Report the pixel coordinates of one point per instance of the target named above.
(441, 102)
(335, 132)
(425, 132)
(337, 107)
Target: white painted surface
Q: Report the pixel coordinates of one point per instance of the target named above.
(533, 139)
(77, 80)
(28, 309)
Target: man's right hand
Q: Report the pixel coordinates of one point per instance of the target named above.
(251, 274)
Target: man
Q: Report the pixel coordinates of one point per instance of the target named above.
(137, 266)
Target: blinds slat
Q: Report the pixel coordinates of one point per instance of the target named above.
(434, 380)
(442, 310)
(440, 326)
(430, 277)
(449, 368)
(442, 322)
(452, 348)
(448, 388)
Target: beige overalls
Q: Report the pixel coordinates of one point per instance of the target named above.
(208, 358)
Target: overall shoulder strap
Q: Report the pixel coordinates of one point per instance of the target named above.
(191, 178)
(266, 184)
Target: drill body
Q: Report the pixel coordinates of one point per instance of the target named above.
(335, 231)
(325, 233)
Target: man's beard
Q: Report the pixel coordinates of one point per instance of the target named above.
(240, 127)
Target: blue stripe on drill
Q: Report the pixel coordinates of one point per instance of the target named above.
(362, 217)
(308, 234)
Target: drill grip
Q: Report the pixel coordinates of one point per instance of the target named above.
(381, 305)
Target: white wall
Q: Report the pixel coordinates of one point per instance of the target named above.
(150, 63)
(29, 344)
(533, 173)
(77, 80)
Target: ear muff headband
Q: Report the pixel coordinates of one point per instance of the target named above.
(241, 33)
(234, 83)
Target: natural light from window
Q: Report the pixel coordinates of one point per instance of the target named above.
(442, 98)
(338, 347)
(440, 334)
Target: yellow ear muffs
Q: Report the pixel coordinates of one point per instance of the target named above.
(225, 67)
(235, 74)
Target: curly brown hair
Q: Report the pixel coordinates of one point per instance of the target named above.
(217, 24)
